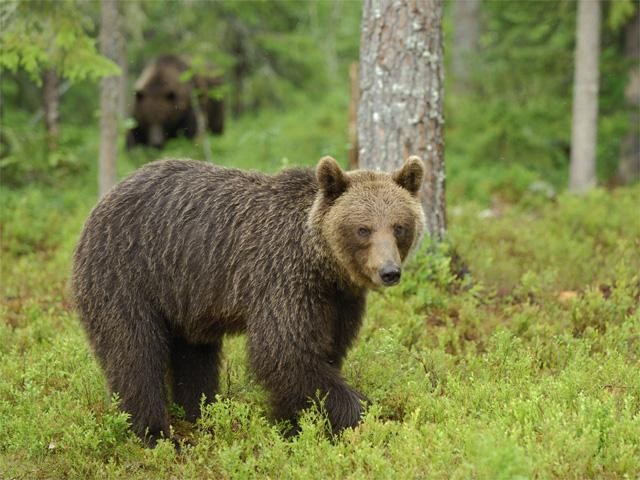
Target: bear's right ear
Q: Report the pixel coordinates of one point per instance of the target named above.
(332, 180)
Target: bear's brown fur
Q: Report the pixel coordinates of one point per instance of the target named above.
(182, 252)
(163, 107)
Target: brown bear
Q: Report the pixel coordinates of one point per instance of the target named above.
(182, 252)
(163, 107)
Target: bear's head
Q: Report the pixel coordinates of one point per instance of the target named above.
(162, 98)
(370, 221)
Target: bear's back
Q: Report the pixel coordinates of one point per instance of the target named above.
(176, 230)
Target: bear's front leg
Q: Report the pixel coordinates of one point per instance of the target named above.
(136, 136)
(297, 377)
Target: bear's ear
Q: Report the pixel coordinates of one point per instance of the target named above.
(411, 175)
(332, 180)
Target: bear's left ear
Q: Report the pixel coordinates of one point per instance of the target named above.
(411, 175)
(332, 180)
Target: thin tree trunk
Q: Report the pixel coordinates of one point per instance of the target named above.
(198, 98)
(237, 45)
(582, 175)
(629, 166)
(401, 89)
(123, 63)
(353, 116)
(109, 103)
(466, 38)
(51, 101)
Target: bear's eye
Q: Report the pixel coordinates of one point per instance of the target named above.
(399, 230)
(171, 96)
(139, 96)
(364, 232)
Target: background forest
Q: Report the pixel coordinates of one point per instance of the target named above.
(514, 357)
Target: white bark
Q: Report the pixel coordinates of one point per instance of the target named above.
(109, 99)
(51, 106)
(400, 110)
(582, 175)
(123, 63)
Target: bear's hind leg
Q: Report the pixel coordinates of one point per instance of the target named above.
(194, 372)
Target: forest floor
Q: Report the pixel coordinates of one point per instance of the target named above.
(525, 368)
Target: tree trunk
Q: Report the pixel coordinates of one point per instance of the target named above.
(237, 34)
(198, 98)
(582, 175)
(51, 101)
(629, 167)
(109, 104)
(466, 38)
(400, 112)
(123, 63)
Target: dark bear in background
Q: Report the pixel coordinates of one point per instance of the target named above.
(164, 108)
(182, 252)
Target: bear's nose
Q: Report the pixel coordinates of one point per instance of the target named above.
(390, 274)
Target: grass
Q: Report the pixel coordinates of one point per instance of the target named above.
(527, 368)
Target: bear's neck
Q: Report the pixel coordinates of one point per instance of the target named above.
(327, 267)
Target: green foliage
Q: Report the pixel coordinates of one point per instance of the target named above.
(267, 50)
(517, 112)
(526, 368)
(27, 159)
(509, 131)
(497, 375)
(41, 34)
(582, 228)
(281, 63)
(520, 109)
(298, 137)
(620, 11)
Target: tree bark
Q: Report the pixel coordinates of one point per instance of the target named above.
(51, 101)
(401, 90)
(629, 166)
(109, 98)
(582, 175)
(466, 38)
(123, 63)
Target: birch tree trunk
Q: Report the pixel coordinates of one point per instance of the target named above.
(400, 111)
(582, 174)
(466, 38)
(51, 104)
(123, 63)
(109, 98)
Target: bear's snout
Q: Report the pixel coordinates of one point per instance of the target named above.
(156, 135)
(390, 274)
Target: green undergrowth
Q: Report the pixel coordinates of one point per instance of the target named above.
(523, 367)
(526, 367)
